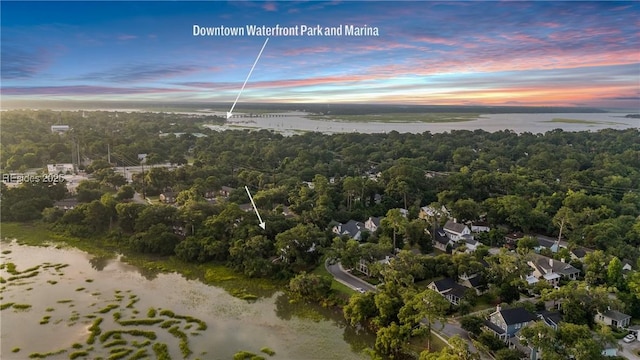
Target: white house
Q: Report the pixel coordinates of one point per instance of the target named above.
(60, 168)
(373, 223)
(60, 129)
(552, 270)
(455, 231)
(613, 318)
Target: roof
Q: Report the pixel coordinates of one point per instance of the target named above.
(227, 189)
(441, 237)
(470, 240)
(454, 227)
(616, 315)
(475, 281)
(66, 203)
(495, 328)
(375, 220)
(450, 286)
(516, 316)
(579, 252)
(551, 318)
(351, 228)
(514, 236)
(546, 264)
(545, 242)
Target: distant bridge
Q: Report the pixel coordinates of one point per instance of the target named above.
(266, 115)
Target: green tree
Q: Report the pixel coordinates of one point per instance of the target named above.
(390, 339)
(396, 222)
(310, 287)
(360, 308)
(614, 274)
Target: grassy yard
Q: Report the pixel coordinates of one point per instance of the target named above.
(418, 345)
(335, 285)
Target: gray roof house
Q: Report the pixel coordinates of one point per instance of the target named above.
(441, 241)
(552, 270)
(449, 289)
(455, 230)
(505, 323)
(352, 229)
(613, 318)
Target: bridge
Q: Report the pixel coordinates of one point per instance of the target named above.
(266, 115)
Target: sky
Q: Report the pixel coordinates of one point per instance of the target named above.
(428, 53)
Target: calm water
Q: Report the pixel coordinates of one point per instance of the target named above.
(520, 123)
(292, 331)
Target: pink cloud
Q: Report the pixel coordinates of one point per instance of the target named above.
(269, 6)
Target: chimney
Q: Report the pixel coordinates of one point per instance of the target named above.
(498, 308)
(550, 262)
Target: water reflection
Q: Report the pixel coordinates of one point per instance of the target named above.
(99, 262)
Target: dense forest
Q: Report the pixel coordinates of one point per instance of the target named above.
(587, 183)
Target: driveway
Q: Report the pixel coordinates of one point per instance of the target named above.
(629, 350)
(344, 277)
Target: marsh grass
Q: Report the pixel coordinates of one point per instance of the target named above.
(267, 351)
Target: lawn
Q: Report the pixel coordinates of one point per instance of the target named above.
(336, 286)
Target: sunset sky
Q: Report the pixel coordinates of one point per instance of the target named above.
(432, 53)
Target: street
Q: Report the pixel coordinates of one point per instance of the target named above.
(346, 278)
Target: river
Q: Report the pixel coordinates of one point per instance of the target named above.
(71, 289)
(519, 123)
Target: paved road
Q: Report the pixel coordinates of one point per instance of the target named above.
(341, 275)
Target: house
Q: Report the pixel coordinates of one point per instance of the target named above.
(429, 212)
(60, 129)
(627, 267)
(373, 223)
(363, 264)
(226, 191)
(442, 242)
(552, 270)
(613, 318)
(550, 318)
(455, 231)
(449, 289)
(505, 323)
(168, 197)
(547, 243)
(530, 352)
(60, 168)
(66, 204)
(470, 243)
(580, 253)
(473, 281)
(352, 229)
(247, 207)
(511, 240)
(479, 226)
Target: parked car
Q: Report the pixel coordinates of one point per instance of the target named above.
(360, 290)
(629, 338)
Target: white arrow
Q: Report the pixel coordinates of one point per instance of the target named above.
(230, 112)
(262, 224)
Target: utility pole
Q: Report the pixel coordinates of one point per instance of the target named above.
(144, 194)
